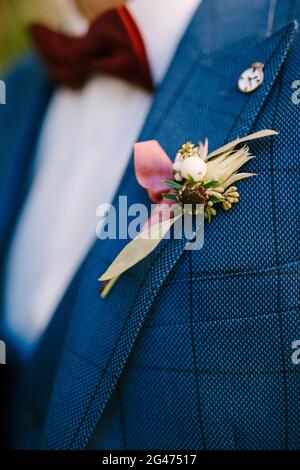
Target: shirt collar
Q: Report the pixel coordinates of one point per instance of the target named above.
(162, 24)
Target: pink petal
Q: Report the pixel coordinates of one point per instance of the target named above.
(152, 165)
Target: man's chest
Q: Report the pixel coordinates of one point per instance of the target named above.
(82, 153)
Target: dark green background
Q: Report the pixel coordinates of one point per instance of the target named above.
(12, 35)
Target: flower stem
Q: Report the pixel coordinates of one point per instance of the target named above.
(107, 287)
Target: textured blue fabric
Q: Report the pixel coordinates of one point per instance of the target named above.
(193, 349)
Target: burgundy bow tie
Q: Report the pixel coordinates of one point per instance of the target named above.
(113, 45)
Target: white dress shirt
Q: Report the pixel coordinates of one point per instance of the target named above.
(86, 140)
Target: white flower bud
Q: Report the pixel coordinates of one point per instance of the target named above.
(194, 167)
(177, 166)
(178, 177)
(179, 157)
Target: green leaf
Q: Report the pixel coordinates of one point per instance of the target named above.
(211, 184)
(169, 196)
(139, 248)
(190, 179)
(215, 199)
(172, 184)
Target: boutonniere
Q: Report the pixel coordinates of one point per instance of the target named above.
(196, 179)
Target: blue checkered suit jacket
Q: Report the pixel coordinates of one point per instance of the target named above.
(191, 350)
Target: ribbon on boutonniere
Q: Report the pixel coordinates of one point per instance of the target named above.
(196, 178)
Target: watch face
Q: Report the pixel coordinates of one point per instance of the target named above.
(250, 79)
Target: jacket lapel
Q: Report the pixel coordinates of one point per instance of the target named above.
(198, 96)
